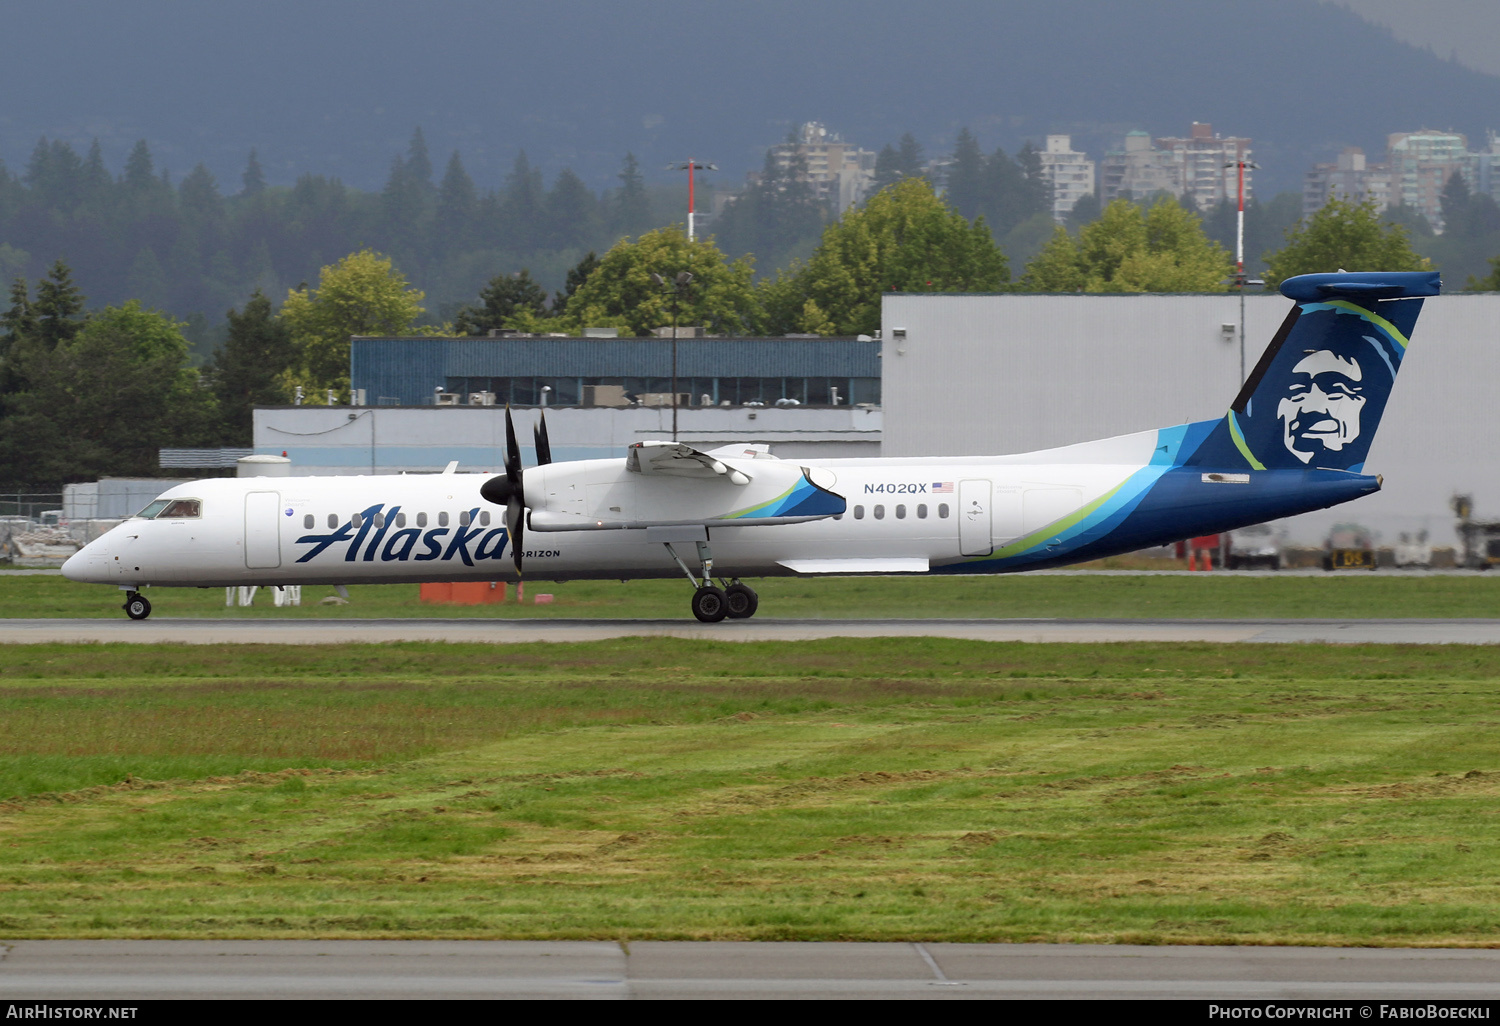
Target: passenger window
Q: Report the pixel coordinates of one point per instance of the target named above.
(379, 519)
(900, 512)
(921, 511)
(153, 509)
(357, 520)
(443, 519)
(180, 508)
(879, 512)
(463, 519)
(333, 521)
(421, 519)
(307, 522)
(942, 511)
(400, 519)
(859, 512)
(484, 518)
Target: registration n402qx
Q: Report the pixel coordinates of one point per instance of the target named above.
(1294, 440)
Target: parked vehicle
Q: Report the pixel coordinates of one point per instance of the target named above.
(1413, 550)
(1349, 547)
(1480, 538)
(1258, 545)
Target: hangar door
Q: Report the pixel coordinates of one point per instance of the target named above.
(262, 530)
(974, 518)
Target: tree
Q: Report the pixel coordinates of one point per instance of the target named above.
(521, 206)
(503, 299)
(630, 213)
(895, 163)
(362, 294)
(250, 369)
(904, 239)
(966, 176)
(254, 178)
(1130, 249)
(1343, 235)
(775, 215)
(104, 401)
(573, 217)
(457, 206)
(621, 293)
(577, 275)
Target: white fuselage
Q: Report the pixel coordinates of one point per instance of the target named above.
(903, 515)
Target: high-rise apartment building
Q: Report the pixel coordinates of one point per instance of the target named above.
(840, 172)
(1070, 172)
(1202, 156)
(1139, 171)
(1350, 179)
(1421, 163)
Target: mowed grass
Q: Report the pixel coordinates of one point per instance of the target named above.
(1202, 596)
(873, 789)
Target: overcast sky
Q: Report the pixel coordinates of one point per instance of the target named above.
(1469, 28)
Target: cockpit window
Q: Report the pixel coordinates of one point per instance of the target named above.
(179, 509)
(153, 509)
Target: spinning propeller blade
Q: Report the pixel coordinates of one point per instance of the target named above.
(543, 447)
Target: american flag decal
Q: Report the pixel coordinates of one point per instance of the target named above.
(942, 487)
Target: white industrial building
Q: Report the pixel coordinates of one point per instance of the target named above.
(986, 374)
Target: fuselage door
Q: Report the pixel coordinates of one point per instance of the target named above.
(262, 530)
(974, 518)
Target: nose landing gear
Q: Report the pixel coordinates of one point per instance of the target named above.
(712, 603)
(137, 606)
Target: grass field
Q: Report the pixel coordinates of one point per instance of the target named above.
(1014, 595)
(925, 789)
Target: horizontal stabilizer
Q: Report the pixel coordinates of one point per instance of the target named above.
(891, 565)
(1367, 285)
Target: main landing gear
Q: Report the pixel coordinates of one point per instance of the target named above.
(712, 603)
(137, 606)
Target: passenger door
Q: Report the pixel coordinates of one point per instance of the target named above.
(262, 530)
(974, 518)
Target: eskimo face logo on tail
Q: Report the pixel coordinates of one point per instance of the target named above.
(1320, 412)
(1319, 401)
(389, 543)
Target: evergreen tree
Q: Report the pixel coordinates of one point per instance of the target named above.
(253, 178)
(418, 164)
(59, 307)
(895, 163)
(577, 275)
(773, 216)
(573, 215)
(966, 176)
(251, 368)
(505, 297)
(631, 213)
(457, 207)
(140, 171)
(521, 207)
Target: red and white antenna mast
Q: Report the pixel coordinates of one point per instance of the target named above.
(691, 166)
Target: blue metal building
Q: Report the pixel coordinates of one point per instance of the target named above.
(813, 371)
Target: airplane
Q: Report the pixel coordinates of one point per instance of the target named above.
(1294, 440)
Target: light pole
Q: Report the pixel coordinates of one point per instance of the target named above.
(1239, 254)
(675, 289)
(691, 166)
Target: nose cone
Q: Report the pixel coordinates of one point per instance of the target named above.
(88, 565)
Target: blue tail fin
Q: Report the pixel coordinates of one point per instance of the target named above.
(1318, 392)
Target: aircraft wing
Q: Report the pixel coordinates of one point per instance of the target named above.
(674, 459)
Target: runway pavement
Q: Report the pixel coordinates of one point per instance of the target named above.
(144, 970)
(311, 632)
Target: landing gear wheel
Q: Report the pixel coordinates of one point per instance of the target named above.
(137, 606)
(709, 604)
(740, 601)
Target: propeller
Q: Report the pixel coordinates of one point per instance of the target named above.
(508, 491)
(543, 447)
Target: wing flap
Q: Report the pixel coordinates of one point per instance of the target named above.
(674, 459)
